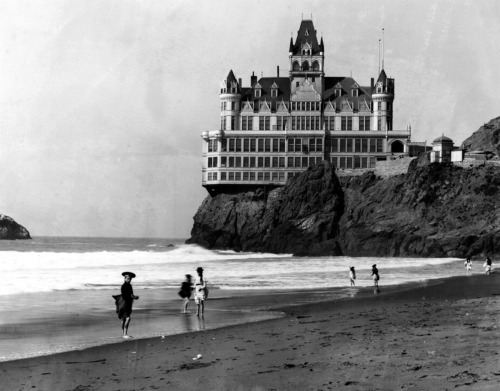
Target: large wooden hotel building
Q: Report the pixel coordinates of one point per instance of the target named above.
(276, 128)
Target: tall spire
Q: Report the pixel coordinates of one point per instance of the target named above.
(383, 53)
(379, 56)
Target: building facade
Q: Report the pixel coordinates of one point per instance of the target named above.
(276, 128)
(442, 148)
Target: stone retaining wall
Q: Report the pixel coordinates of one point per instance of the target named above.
(470, 163)
(383, 168)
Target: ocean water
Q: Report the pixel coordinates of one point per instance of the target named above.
(56, 292)
(62, 264)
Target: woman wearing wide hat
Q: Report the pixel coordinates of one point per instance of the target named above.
(124, 302)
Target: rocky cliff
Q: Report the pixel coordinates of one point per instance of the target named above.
(11, 230)
(435, 210)
(486, 138)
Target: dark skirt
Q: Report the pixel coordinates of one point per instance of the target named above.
(123, 307)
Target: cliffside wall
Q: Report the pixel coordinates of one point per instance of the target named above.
(300, 218)
(434, 210)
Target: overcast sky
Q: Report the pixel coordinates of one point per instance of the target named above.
(102, 103)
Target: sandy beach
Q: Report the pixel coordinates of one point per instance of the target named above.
(437, 336)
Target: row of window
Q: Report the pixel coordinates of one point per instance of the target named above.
(305, 66)
(354, 161)
(263, 161)
(387, 106)
(356, 145)
(233, 144)
(346, 123)
(305, 122)
(305, 106)
(267, 176)
(302, 122)
(345, 162)
(229, 106)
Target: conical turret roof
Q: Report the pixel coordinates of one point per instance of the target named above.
(306, 34)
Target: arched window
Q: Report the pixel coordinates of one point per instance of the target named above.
(315, 66)
(295, 66)
(397, 147)
(305, 66)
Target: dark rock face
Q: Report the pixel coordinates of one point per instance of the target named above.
(436, 210)
(486, 138)
(11, 230)
(299, 218)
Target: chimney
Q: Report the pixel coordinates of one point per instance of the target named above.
(278, 71)
(239, 82)
(372, 84)
(253, 79)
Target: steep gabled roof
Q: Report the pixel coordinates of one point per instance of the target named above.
(266, 85)
(346, 84)
(306, 34)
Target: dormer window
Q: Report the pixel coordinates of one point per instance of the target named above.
(354, 92)
(307, 33)
(338, 92)
(274, 90)
(306, 49)
(234, 88)
(258, 92)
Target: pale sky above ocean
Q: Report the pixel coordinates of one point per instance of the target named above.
(102, 103)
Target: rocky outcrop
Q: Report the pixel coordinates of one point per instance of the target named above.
(435, 210)
(300, 218)
(486, 138)
(11, 230)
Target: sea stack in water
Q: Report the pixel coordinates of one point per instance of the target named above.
(11, 230)
(435, 210)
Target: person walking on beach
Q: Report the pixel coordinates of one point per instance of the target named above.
(376, 277)
(185, 292)
(352, 275)
(487, 265)
(128, 298)
(468, 265)
(200, 292)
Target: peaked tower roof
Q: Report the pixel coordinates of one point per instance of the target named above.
(306, 34)
(382, 77)
(232, 79)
